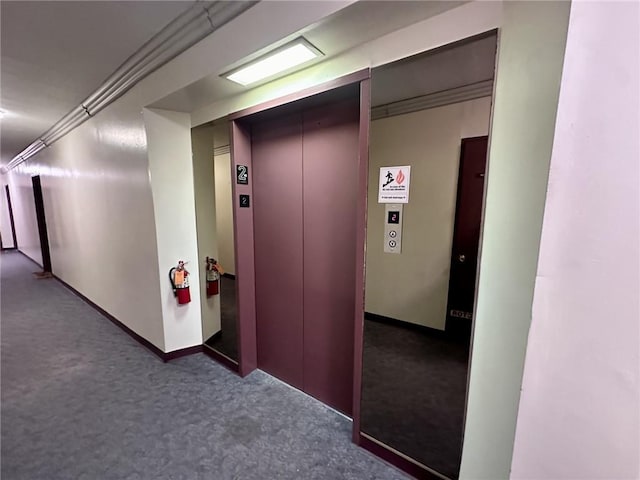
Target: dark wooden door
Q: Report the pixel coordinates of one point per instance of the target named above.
(42, 223)
(466, 234)
(11, 221)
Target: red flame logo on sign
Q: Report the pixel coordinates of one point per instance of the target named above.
(400, 177)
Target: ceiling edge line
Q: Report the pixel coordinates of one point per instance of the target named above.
(181, 33)
(432, 100)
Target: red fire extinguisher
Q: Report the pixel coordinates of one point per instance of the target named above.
(214, 270)
(179, 278)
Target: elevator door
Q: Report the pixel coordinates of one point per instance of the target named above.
(277, 217)
(305, 170)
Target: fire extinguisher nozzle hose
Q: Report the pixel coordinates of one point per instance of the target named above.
(173, 285)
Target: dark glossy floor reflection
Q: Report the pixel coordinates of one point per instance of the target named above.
(226, 341)
(413, 393)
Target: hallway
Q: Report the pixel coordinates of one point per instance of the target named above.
(81, 399)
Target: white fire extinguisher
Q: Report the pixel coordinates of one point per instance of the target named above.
(214, 270)
(179, 278)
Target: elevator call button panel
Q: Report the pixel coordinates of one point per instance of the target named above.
(393, 228)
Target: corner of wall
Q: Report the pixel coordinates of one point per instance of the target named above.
(172, 187)
(529, 68)
(579, 412)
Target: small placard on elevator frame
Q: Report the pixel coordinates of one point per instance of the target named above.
(245, 201)
(242, 175)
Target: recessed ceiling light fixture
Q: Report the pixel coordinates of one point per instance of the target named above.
(2, 113)
(280, 60)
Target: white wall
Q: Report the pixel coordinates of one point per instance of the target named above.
(96, 187)
(206, 219)
(224, 200)
(530, 54)
(580, 405)
(5, 220)
(100, 217)
(413, 286)
(171, 172)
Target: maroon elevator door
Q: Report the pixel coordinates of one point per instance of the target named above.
(305, 190)
(277, 223)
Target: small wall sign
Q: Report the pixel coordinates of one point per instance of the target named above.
(242, 175)
(245, 201)
(393, 186)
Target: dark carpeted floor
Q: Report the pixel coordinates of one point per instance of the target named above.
(413, 393)
(83, 400)
(226, 341)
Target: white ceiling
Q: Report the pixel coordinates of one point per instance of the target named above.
(55, 53)
(352, 26)
(454, 66)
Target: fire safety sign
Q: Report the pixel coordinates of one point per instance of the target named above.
(394, 184)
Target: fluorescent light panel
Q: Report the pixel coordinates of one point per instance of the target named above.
(292, 55)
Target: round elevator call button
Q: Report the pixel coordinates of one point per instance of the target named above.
(393, 234)
(392, 243)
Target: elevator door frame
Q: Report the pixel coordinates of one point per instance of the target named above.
(244, 234)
